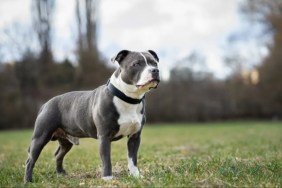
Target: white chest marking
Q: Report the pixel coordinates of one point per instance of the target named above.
(130, 119)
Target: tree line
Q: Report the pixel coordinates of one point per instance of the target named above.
(188, 95)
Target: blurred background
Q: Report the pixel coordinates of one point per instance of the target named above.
(219, 59)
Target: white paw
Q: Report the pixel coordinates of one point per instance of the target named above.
(134, 171)
(107, 178)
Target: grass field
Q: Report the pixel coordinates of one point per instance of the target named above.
(230, 154)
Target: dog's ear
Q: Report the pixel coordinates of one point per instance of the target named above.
(120, 56)
(154, 54)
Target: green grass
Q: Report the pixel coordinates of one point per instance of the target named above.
(230, 154)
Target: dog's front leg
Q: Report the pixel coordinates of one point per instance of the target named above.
(132, 148)
(105, 154)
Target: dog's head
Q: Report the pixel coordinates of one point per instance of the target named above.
(139, 69)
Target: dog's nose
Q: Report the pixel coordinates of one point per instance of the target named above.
(155, 70)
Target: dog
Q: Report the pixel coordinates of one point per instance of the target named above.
(107, 113)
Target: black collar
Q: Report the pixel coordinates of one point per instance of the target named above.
(116, 92)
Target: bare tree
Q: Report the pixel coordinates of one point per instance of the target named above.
(18, 39)
(92, 71)
(266, 96)
(42, 20)
(87, 25)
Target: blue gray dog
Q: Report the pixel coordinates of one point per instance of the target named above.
(107, 113)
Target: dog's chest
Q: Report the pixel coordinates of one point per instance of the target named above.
(130, 117)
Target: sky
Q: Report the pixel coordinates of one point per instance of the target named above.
(172, 28)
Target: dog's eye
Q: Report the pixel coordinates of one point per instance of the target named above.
(155, 64)
(136, 64)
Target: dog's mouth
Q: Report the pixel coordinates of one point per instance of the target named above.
(153, 84)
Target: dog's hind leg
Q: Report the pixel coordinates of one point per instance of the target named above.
(63, 149)
(35, 148)
(45, 125)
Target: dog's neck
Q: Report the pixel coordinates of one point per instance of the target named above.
(129, 90)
